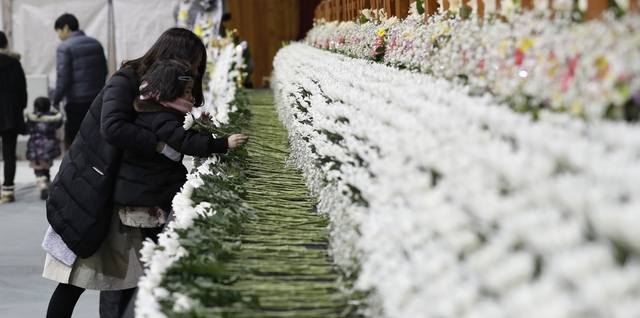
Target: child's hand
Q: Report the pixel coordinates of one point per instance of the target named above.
(237, 140)
(206, 116)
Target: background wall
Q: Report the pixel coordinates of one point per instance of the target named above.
(265, 24)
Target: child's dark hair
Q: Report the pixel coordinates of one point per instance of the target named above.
(175, 44)
(166, 80)
(42, 104)
(68, 20)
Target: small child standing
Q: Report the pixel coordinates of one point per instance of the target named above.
(43, 147)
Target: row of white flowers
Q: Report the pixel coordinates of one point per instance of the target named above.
(221, 84)
(531, 59)
(450, 205)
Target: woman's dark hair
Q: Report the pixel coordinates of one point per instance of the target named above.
(166, 80)
(3, 40)
(42, 104)
(175, 44)
(67, 19)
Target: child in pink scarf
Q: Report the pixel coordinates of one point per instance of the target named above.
(146, 184)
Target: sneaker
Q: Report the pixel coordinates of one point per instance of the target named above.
(7, 194)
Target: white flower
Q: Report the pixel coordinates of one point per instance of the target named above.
(183, 303)
(160, 293)
(454, 6)
(169, 240)
(196, 182)
(490, 6)
(204, 209)
(187, 189)
(413, 9)
(188, 121)
(541, 4)
(623, 4)
(148, 247)
(473, 4)
(391, 21)
(366, 13)
(582, 5)
(507, 7)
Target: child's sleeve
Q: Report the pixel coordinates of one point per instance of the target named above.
(188, 142)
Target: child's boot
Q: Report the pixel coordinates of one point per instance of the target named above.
(43, 187)
(7, 194)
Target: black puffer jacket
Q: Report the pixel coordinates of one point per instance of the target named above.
(81, 69)
(152, 179)
(80, 204)
(13, 92)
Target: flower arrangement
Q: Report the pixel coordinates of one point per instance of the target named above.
(438, 194)
(530, 60)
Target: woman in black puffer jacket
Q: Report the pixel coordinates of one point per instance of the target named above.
(88, 247)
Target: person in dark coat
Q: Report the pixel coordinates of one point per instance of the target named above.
(81, 72)
(80, 207)
(13, 101)
(43, 147)
(146, 184)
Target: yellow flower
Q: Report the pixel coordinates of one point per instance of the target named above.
(197, 30)
(602, 63)
(576, 109)
(503, 46)
(182, 15)
(526, 45)
(382, 32)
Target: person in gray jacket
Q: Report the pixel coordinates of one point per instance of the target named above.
(81, 73)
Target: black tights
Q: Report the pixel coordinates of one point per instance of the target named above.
(63, 301)
(9, 144)
(65, 297)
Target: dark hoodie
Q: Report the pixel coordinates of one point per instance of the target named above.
(13, 92)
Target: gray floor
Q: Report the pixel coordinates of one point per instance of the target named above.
(23, 291)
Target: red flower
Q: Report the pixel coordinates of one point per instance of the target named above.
(518, 56)
(393, 44)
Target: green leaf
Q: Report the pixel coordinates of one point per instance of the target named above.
(420, 6)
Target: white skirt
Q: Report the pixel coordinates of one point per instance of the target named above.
(115, 266)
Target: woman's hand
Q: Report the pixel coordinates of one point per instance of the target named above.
(237, 140)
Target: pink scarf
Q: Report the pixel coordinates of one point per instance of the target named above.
(180, 104)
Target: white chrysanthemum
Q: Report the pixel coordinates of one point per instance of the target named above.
(148, 247)
(183, 303)
(391, 21)
(204, 209)
(160, 293)
(188, 121)
(366, 13)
